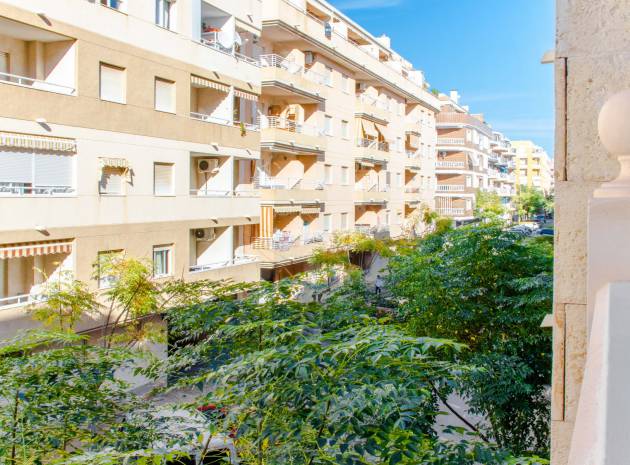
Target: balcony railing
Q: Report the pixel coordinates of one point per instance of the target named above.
(273, 60)
(276, 122)
(373, 144)
(369, 100)
(236, 261)
(451, 188)
(412, 190)
(451, 211)
(16, 300)
(23, 81)
(289, 183)
(18, 189)
(211, 40)
(238, 192)
(450, 164)
(413, 154)
(223, 121)
(451, 141)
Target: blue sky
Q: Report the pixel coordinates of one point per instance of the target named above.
(489, 50)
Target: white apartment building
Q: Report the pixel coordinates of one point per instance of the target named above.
(215, 139)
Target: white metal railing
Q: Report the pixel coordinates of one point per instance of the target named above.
(288, 183)
(15, 300)
(412, 190)
(276, 122)
(451, 141)
(223, 121)
(450, 164)
(450, 188)
(282, 240)
(38, 84)
(273, 60)
(451, 211)
(369, 185)
(369, 100)
(413, 154)
(211, 40)
(373, 144)
(19, 189)
(236, 261)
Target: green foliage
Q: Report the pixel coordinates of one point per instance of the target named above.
(489, 289)
(532, 201)
(488, 205)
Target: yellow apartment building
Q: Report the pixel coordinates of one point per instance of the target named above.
(534, 167)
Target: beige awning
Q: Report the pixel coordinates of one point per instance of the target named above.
(368, 129)
(366, 164)
(197, 81)
(121, 163)
(286, 210)
(311, 210)
(33, 142)
(31, 249)
(245, 95)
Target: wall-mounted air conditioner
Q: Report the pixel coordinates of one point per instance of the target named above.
(208, 165)
(205, 234)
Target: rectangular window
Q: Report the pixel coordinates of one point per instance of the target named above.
(163, 13)
(399, 179)
(4, 63)
(106, 267)
(112, 83)
(329, 76)
(399, 144)
(345, 83)
(112, 181)
(328, 125)
(36, 173)
(328, 174)
(468, 204)
(163, 179)
(116, 4)
(327, 223)
(344, 221)
(163, 260)
(345, 132)
(468, 181)
(164, 95)
(345, 175)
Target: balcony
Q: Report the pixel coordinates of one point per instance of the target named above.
(284, 135)
(447, 164)
(292, 190)
(451, 211)
(451, 141)
(282, 78)
(450, 188)
(372, 107)
(368, 192)
(372, 151)
(452, 120)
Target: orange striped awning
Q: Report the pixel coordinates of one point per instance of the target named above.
(31, 249)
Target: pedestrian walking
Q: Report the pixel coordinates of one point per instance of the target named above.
(378, 285)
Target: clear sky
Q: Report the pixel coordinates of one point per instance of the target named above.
(489, 50)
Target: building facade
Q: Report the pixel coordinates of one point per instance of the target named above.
(534, 167)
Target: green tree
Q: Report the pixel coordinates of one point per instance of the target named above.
(529, 202)
(489, 289)
(488, 205)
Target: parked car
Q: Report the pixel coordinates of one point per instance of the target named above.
(522, 230)
(540, 218)
(546, 232)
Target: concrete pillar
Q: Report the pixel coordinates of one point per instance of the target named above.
(3, 278)
(38, 269)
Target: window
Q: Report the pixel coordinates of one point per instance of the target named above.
(399, 179)
(116, 4)
(106, 264)
(468, 204)
(42, 172)
(329, 76)
(345, 83)
(345, 133)
(345, 175)
(399, 144)
(112, 83)
(468, 181)
(162, 260)
(4, 63)
(163, 179)
(344, 221)
(387, 217)
(328, 174)
(327, 222)
(163, 13)
(468, 135)
(112, 181)
(164, 95)
(328, 125)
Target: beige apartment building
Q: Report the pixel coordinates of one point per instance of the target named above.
(534, 167)
(471, 157)
(215, 139)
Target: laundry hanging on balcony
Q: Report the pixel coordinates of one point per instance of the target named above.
(32, 249)
(197, 81)
(33, 142)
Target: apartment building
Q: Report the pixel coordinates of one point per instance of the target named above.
(534, 167)
(347, 134)
(501, 167)
(127, 127)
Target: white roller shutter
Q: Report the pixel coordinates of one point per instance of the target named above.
(53, 170)
(164, 95)
(16, 167)
(163, 179)
(112, 83)
(111, 180)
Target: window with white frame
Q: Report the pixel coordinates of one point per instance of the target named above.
(468, 181)
(468, 135)
(345, 129)
(164, 13)
(163, 183)
(113, 86)
(345, 175)
(106, 264)
(399, 182)
(328, 125)
(328, 174)
(344, 221)
(468, 204)
(399, 144)
(327, 222)
(23, 172)
(164, 95)
(112, 181)
(345, 83)
(329, 76)
(162, 260)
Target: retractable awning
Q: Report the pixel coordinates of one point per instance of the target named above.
(32, 249)
(197, 81)
(366, 164)
(33, 142)
(121, 163)
(245, 95)
(287, 210)
(311, 210)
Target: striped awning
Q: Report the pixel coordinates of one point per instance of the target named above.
(245, 95)
(33, 142)
(197, 81)
(31, 249)
(311, 210)
(366, 164)
(285, 210)
(121, 163)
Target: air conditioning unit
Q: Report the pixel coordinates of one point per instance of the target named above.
(208, 165)
(206, 234)
(309, 58)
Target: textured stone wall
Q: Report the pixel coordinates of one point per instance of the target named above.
(592, 63)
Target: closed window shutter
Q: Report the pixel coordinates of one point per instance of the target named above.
(164, 95)
(53, 170)
(111, 181)
(163, 179)
(112, 83)
(16, 167)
